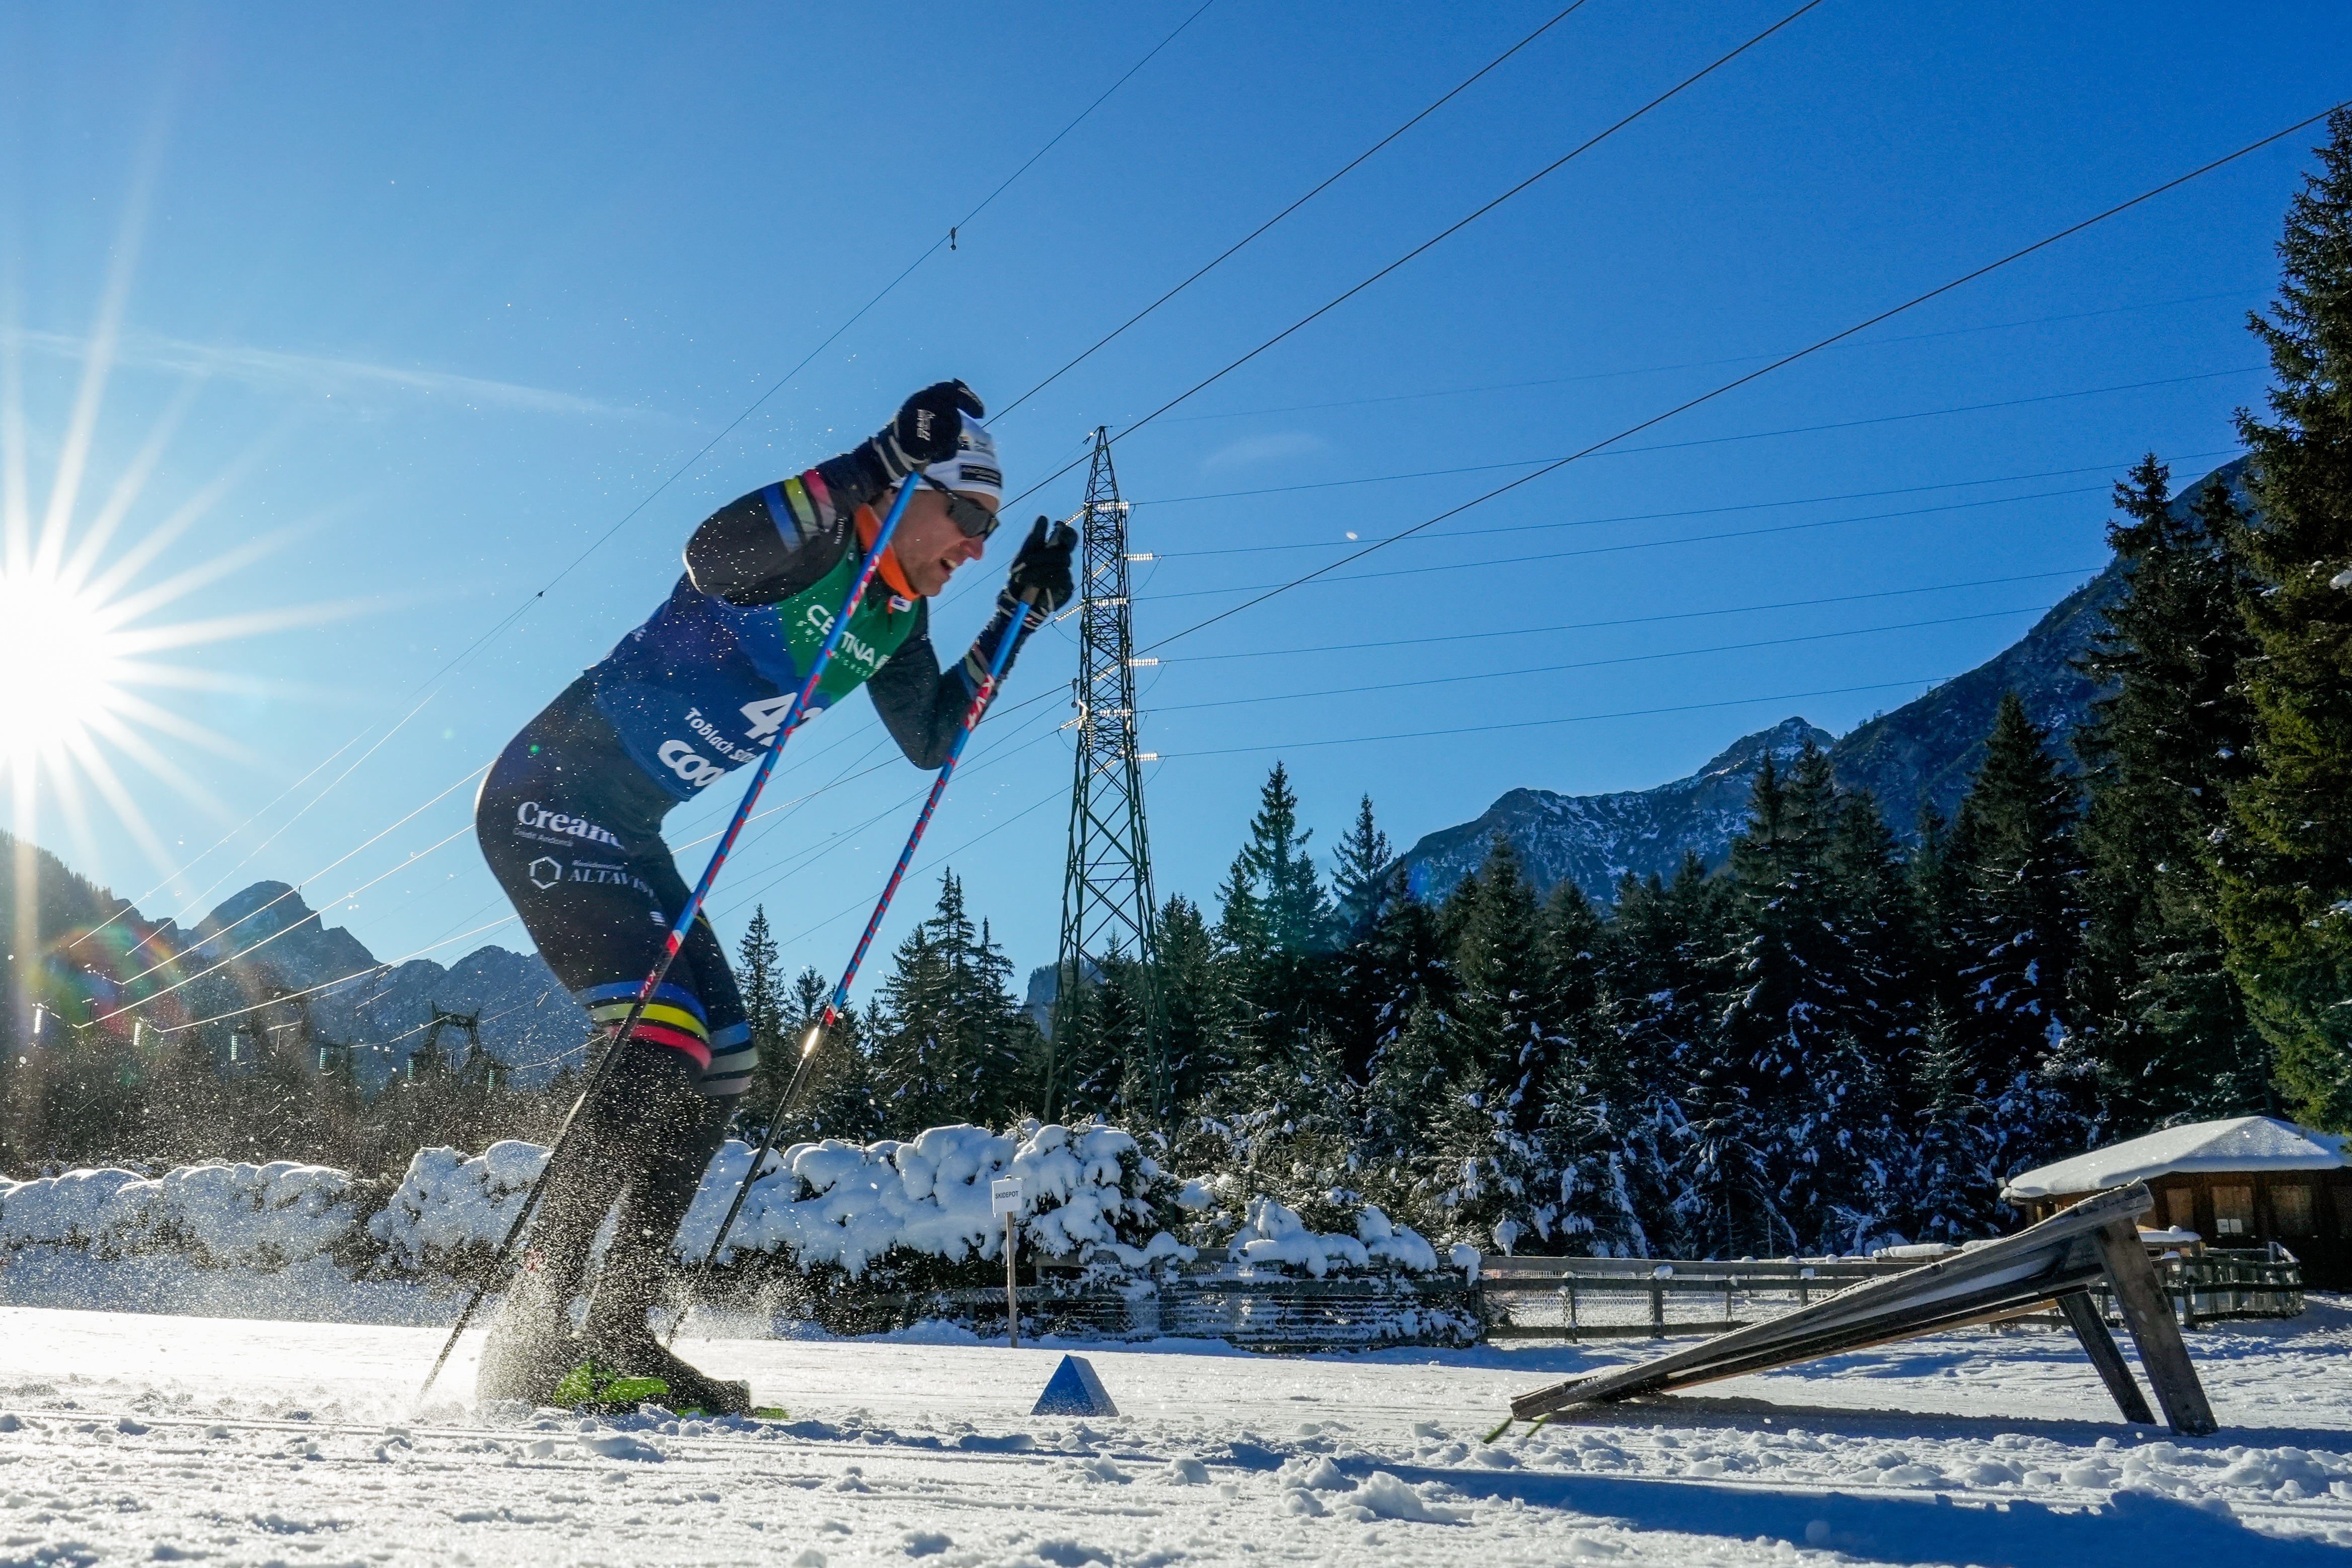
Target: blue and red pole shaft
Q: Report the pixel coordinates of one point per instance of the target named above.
(816, 1037)
(794, 719)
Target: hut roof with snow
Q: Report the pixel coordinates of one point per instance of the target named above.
(2247, 1182)
(2241, 1144)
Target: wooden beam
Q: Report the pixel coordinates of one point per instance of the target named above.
(1759, 1349)
(2032, 1265)
(2149, 1317)
(2082, 1317)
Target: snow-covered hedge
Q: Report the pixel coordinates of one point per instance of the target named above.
(1273, 1234)
(828, 1231)
(1089, 1194)
(260, 1217)
(449, 1204)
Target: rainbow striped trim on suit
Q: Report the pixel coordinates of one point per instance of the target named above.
(732, 1057)
(673, 1018)
(798, 506)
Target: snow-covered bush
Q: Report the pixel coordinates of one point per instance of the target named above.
(1273, 1234)
(449, 1204)
(860, 1221)
(261, 1217)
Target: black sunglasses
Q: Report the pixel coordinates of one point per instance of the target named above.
(972, 519)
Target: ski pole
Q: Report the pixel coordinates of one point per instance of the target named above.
(794, 716)
(818, 1032)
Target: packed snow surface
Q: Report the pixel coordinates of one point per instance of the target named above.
(2238, 1143)
(154, 1439)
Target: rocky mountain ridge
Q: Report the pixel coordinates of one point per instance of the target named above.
(1918, 758)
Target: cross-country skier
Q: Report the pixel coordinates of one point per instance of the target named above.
(570, 820)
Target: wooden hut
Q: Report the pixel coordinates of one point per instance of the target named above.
(2240, 1183)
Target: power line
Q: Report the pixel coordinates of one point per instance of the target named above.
(241, 954)
(322, 871)
(1608, 549)
(1441, 235)
(1790, 359)
(947, 239)
(1654, 517)
(1638, 517)
(1930, 682)
(1604, 663)
(810, 854)
(1641, 619)
(1701, 364)
(1045, 799)
(1327, 182)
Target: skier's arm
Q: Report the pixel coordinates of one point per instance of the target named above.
(770, 544)
(924, 705)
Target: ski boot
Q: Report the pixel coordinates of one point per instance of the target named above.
(622, 1371)
(639, 1266)
(532, 1345)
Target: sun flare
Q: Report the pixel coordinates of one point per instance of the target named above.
(64, 668)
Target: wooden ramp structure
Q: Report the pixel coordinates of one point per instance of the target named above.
(2053, 1262)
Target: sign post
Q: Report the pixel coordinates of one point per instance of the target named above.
(1005, 1198)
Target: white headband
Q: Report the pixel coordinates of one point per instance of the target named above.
(974, 467)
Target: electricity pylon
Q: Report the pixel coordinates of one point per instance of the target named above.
(1107, 911)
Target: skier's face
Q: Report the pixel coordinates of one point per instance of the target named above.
(928, 545)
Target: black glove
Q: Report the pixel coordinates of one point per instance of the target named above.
(1041, 572)
(1038, 584)
(925, 431)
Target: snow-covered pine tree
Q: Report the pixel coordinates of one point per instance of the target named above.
(836, 1098)
(1784, 1014)
(2162, 749)
(1458, 1095)
(1689, 1162)
(951, 1042)
(1098, 1051)
(1192, 996)
(1392, 964)
(1880, 928)
(2286, 907)
(1580, 1199)
(2011, 925)
(760, 977)
(1359, 874)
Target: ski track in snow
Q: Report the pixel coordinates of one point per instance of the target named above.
(132, 1437)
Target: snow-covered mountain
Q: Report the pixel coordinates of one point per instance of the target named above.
(1923, 754)
(1593, 840)
(527, 1019)
(262, 944)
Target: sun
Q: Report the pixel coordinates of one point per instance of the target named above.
(65, 669)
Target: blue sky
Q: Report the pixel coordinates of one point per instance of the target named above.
(402, 314)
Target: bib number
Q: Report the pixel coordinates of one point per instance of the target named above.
(767, 715)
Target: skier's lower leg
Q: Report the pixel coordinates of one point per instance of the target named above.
(532, 1345)
(641, 1265)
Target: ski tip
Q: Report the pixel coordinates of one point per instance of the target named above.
(770, 1413)
(1499, 1430)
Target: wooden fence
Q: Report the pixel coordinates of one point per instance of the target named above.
(1571, 1298)
(1653, 1298)
(1270, 1312)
